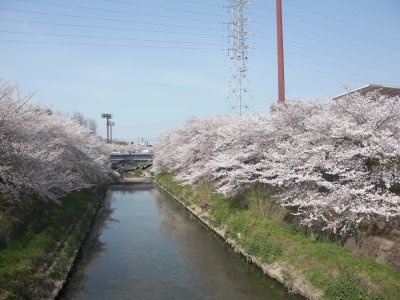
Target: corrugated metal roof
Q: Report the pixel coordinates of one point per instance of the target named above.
(385, 90)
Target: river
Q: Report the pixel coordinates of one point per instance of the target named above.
(144, 245)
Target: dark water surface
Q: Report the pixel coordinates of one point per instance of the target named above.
(145, 246)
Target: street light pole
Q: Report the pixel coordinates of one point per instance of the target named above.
(108, 117)
(111, 124)
(281, 71)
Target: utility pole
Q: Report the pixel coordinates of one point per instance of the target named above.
(108, 117)
(281, 70)
(238, 53)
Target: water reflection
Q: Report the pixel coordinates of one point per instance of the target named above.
(92, 250)
(222, 273)
(145, 246)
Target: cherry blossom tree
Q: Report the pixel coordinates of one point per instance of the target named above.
(335, 162)
(42, 153)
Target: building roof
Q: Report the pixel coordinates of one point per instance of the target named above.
(385, 90)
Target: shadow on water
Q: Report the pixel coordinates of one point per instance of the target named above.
(90, 252)
(144, 245)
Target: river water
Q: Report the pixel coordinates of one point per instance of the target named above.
(144, 245)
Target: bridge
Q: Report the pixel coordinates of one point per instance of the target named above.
(134, 157)
(125, 162)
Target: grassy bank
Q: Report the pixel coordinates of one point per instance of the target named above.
(31, 265)
(254, 223)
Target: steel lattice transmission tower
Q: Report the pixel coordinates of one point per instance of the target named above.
(239, 84)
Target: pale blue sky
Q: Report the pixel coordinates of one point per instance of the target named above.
(153, 64)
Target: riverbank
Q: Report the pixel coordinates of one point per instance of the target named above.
(317, 269)
(35, 264)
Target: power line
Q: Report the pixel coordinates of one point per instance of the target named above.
(335, 30)
(341, 77)
(302, 58)
(105, 27)
(201, 3)
(323, 63)
(106, 45)
(117, 11)
(367, 38)
(163, 7)
(256, 21)
(353, 24)
(310, 36)
(109, 28)
(146, 40)
(106, 37)
(263, 5)
(375, 21)
(107, 19)
(354, 48)
(331, 53)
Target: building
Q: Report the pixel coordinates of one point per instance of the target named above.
(384, 90)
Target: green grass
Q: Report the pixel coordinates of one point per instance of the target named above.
(24, 261)
(327, 266)
(137, 172)
(19, 210)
